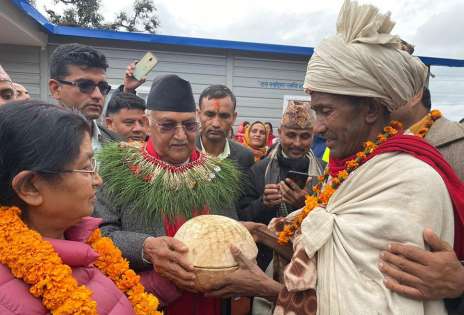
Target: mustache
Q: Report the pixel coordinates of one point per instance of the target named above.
(216, 130)
(296, 149)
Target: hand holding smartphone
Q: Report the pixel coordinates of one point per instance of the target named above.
(298, 177)
(144, 66)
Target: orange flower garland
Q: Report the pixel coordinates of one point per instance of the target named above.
(323, 192)
(422, 128)
(34, 260)
(116, 267)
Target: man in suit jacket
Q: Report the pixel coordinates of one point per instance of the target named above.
(142, 209)
(438, 273)
(216, 112)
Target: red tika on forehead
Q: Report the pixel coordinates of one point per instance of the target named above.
(216, 104)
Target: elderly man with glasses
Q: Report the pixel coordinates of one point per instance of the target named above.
(78, 81)
(151, 188)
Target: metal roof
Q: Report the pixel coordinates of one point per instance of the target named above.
(189, 41)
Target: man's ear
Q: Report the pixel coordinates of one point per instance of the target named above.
(374, 111)
(55, 88)
(235, 117)
(146, 123)
(25, 184)
(109, 122)
(416, 99)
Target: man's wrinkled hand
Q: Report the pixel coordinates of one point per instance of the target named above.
(420, 274)
(292, 194)
(253, 228)
(169, 259)
(272, 196)
(248, 280)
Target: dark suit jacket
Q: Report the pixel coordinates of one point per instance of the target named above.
(238, 153)
(244, 159)
(107, 135)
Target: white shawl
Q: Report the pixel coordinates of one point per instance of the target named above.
(390, 198)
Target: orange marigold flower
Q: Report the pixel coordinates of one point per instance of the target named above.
(395, 124)
(342, 175)
(361, 155)
(388, 129)
(422, 132)
(369, 145)
(381, 138)
(326, 193)
(352, 164)
(435, 114)
(310, 203)
(336, 182)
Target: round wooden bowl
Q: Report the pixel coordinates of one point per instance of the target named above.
(209, 238)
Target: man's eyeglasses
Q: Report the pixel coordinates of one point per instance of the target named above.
(171, 127)
(93, 169)
(88, 86)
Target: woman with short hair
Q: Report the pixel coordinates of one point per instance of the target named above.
(53, 259)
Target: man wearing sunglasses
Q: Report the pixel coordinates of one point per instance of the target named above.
(152, 188)
(78, 81)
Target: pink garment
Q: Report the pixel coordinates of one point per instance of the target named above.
(16, 299)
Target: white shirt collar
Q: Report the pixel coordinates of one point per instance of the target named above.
(222, 156)
(96, 137)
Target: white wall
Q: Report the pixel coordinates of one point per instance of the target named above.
(23, 65)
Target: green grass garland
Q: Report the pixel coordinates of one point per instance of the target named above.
(125, 189)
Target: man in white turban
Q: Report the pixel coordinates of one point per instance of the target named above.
(380, 185)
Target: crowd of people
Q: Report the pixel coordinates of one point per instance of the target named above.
(92, 198)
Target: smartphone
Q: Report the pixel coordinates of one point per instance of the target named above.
(145, 65)
(298, 177)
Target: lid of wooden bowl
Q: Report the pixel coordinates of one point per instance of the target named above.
(209, 238)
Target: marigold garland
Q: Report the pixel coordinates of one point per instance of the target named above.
(116, 267)
(324, 189)
(34, 260)
(424, 126)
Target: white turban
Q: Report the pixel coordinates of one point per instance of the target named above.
(364, 59)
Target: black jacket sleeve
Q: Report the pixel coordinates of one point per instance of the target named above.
(251, 207)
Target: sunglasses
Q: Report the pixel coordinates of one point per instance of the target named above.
(88, 86)
(170, 127)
